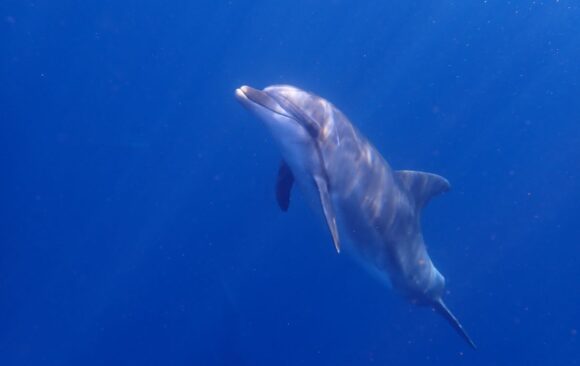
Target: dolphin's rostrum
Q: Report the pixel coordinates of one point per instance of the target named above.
(346, 179)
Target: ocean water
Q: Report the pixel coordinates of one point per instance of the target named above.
(138, 224)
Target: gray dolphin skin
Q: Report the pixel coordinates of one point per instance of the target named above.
(375, 209)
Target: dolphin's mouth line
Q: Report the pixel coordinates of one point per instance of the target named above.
(280, 106)
(273, 110)
(278, 113)
(262, 98)
(298, 115)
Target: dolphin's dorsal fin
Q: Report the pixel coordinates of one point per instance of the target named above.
(284, 183)
(328, 210)
(422, 185)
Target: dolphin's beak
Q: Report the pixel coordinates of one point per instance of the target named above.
(252, 98)
(246, 94)
(241, 93)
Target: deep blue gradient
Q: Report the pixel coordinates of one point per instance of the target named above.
(138, 224)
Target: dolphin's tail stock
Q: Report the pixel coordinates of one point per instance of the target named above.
(439, 305)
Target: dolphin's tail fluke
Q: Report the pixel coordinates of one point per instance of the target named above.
(439, 305)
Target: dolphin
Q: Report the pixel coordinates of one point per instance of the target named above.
(345, 178)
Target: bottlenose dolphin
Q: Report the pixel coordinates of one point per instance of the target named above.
(360, 197)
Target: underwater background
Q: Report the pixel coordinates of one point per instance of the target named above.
(138, 224)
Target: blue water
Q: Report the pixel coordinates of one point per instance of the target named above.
(138, 224)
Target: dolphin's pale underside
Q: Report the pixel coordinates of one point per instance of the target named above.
(360, 197)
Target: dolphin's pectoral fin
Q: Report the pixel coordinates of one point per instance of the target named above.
(284, 184)
(440, 307)
(422, 185)
(328, 210)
